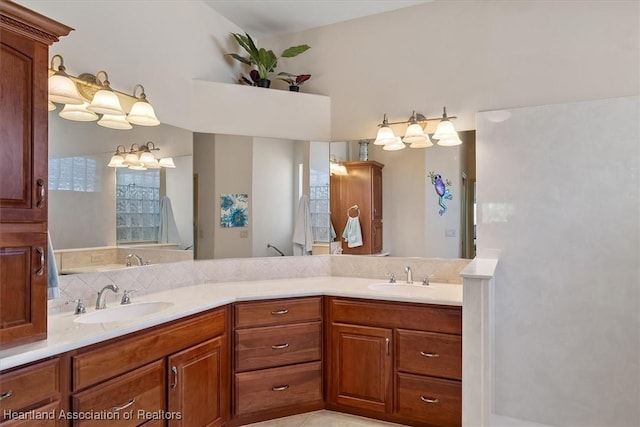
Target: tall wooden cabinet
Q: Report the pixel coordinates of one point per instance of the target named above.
(362, 187)
(25, 37)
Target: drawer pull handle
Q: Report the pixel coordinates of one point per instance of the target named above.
(40, 270)
(5, 395)
(386, 343)
(422, 353)
(280, 346)
(42, 193)
(174, 371)
(278, 312)
(125, 406)
(280, 387)
(429, 400)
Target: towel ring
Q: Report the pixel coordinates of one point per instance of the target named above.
(349, 211)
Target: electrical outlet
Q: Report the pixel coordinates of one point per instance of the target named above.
(450, 232)
(244, 234)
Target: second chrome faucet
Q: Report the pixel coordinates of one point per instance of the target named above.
(101, 302)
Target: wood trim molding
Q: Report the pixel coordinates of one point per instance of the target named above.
(31, 24)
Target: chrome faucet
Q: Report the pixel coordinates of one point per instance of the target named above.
(132, 255)
(409, 274)
(102, 303)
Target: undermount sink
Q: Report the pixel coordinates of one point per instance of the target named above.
(386, 286)
(123, 312)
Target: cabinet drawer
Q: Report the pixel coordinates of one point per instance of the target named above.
(433, 318)
(140, 390)
(429, 353)
(106, 361)
(259, 348)
(278, 387)
(31, 386)
(277, 312)
(433, 401)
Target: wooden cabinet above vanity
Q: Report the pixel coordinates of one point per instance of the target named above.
(25, 37)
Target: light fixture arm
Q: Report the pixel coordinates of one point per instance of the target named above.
(419, 119)
(143, 96)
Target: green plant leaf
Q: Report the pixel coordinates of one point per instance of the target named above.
(295, 51)
(268, 59)
(241, 58)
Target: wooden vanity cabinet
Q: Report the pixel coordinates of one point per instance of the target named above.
(25, 37)
(399, 362)
(363, 187)
(177, 372)
(37, 388)
(277, 360)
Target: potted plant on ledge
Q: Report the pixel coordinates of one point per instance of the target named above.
(265, 61)
(295, 81)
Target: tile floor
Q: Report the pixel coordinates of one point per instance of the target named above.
(323, 418)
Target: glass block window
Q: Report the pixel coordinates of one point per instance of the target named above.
(137, 205)
(319, 206)
(74, 174)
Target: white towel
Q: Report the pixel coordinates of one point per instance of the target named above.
(168, 230)
(53, 284)
(302, 232)
(352, 232)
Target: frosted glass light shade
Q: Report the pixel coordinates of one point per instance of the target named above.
(131, 159)
(415, 133)
(51, 106)
(117, 161)
(445, 130)
(423, 144)
(385, 136)
(450, 141)
(63, 91)
(106, 102)
(114, 122)
(153, 164)
(78, 113)
(138, 167)
(397, 144)
(167, 162)
(147, 157)
(142, 114)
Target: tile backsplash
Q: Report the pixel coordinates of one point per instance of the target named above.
(159, 277)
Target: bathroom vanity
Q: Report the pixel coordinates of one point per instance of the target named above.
(235, 353)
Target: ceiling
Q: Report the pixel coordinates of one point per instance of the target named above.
(263, 18)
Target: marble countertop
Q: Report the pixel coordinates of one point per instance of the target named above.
(64, 334)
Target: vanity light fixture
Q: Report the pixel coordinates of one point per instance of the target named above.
(91, 95)
(139, 158)
(415, 135)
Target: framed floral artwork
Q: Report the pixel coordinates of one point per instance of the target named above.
(233, 210)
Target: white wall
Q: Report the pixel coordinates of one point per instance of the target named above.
(272, 189)
(204, 158)
(469, 56)
(559, 196)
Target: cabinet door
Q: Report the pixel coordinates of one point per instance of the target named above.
(199, 384)
(360, 372)
(376, 192)
(23, 288)
(23, 129)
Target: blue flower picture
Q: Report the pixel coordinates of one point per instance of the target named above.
(233, 210)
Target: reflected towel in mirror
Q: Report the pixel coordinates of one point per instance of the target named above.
(53, 285)
(168, 230)
(302, 231)
(352, 232)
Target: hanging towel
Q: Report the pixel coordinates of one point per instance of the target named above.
(332, 232)
(53, 285)
(168, 230)
(352, 232)
(302, 232)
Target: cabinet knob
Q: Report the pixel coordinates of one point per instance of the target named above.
(174, 371)
(40, 270)
(6, 394)
(41, 192)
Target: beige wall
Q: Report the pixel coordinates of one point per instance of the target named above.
(470, 56)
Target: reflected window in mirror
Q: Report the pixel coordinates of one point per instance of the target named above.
(137, 205)
(319, 205)
(77, 173)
